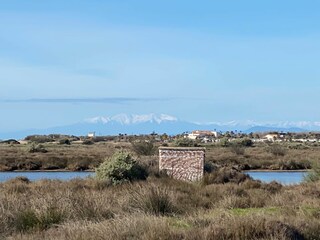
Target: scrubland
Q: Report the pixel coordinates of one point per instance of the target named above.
(75, 157)
(226, 204)
(158, 208)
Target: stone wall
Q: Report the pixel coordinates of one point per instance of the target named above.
(183, 163)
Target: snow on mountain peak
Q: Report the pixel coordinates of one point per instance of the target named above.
(125, 119)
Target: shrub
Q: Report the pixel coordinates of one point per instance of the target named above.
(209, 167)
(272, 187)
(245, 142)
(224, 142)
(28, 219)
(10, 141)
(314, 175)
(143, 148)
(121, 167)
(224, 175)
(39, 138)
(185, 142)
(65, 141)
(153, 200)
(237, 149)
(34, 148)
(277, 150)
(87, 142)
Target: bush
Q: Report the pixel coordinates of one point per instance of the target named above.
(39, 138)
(121, 167)
(272, 187)
(209, 167)
(277, 150)
(224, 142)
(314, 175)
(28, 219)
(10, 141)
(143, 148)
(225, 175)
(245, 142)
(34, 148)
(237, 149)
(65, 141)
(87, 142)
(153, 200)
(185, 142)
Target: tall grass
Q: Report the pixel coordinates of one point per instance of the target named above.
(159, 208)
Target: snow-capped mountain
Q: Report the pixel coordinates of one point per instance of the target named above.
(161, 123)
(125, 119)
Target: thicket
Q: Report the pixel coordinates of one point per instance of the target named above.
(314, 174)
(36, 148)
(185, 142)
(65, 141)
(144, 148)
(120, 168)
(277, 150)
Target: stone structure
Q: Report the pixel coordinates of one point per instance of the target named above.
(184, 163)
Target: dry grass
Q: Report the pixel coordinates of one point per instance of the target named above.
(69, 157)
(159, 208)
(225, 206)
(260, 157)
(82, 157)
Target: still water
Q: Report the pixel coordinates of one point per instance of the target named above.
(286, 178)
(33, 176)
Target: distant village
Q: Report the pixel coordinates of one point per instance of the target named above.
(214, 136)
(200, 136)
(208, 136)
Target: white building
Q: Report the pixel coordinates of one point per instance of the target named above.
(201, 134)
(271, 137)
(91, 134)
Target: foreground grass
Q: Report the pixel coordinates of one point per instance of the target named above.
(159, 208)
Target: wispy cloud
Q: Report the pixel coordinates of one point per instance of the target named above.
(113, 100)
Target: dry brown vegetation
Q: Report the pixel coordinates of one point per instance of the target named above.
(69, 157)
(287, 156)
(225, 205)
(159, 208)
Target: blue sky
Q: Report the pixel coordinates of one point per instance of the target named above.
(200, 61)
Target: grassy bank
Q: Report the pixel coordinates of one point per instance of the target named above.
(287, 156)
(159, 208)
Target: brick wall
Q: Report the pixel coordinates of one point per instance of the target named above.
(182, 163)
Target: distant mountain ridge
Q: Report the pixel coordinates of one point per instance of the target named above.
(125, 119)
(159, 123)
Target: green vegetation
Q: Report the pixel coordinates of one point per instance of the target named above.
(153, 200)
(185, 142)
(314, 175)
(145, 148)
(120, 168)
(277, 150)
(65, 141)
(36, 148)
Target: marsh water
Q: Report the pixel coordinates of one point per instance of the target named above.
(33, 176)
(286, 177)
(289, 177)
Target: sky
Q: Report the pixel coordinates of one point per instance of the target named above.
(201, 61)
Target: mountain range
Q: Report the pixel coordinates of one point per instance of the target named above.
(159, 123)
